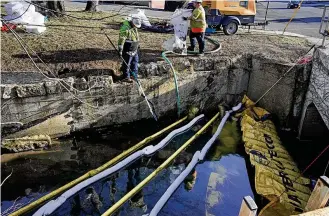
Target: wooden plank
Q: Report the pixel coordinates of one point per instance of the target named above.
(248, 207)
(318, 212)
(320, 195)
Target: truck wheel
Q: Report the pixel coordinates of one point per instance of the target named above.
(231, 28)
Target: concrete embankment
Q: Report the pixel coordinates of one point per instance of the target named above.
(43, 106)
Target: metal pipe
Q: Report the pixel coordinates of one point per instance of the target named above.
(131, 193)
(268, 3)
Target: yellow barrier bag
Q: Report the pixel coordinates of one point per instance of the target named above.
(276, 174)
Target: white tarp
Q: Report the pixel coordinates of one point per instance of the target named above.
(141, 14)
(24, 13)
(178, 42)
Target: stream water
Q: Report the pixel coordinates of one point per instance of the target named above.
(216, 186)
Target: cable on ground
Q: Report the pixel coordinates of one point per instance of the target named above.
(22, 45)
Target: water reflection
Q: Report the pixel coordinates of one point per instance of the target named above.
(136, 203)
(203, 191)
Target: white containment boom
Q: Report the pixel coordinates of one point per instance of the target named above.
(52, 205)
(198, 156)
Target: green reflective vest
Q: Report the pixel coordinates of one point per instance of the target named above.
(198, 20)
(127, 32)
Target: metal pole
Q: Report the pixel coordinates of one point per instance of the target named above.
(325, 31)
(268, 2)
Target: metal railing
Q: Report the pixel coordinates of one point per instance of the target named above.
(324, 31)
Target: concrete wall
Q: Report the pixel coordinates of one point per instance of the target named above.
(286, 98)
(203, 82)
(317, 95)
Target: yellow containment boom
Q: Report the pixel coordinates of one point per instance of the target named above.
(277, 177)
(131, 193)
(96, 171)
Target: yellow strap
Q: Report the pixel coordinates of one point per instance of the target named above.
(293, 16)
(95, 171)
(158, 170)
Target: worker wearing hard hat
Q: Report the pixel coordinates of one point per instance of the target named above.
(198, 26)
(128, 47)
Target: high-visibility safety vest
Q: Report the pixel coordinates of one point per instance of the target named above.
(198, 20)
(127, 33)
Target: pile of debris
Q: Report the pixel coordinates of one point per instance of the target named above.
(26, 143)
(23, 14)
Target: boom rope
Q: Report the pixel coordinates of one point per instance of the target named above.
(49, 70)
(293, 16)
(24, 48)
(290, 69)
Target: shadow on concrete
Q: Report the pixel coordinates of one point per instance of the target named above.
(88, 55)
(300, 20)
(74, 56)
(86, 73)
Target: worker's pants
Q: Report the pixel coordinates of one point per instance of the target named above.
(200, 38)
(132, 62)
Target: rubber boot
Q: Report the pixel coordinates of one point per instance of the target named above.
(190, 48)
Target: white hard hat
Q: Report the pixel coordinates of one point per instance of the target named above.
(197, 1)
(136, 20)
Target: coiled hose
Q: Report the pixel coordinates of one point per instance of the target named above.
(189, 53)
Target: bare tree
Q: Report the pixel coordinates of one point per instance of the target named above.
(50, 8)
(92, 5)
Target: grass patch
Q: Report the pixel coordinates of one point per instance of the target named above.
(80, 45)
(75, 44)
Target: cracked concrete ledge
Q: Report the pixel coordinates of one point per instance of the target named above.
(235, 76)
(47, 105)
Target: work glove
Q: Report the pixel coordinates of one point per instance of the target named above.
(185, 18)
